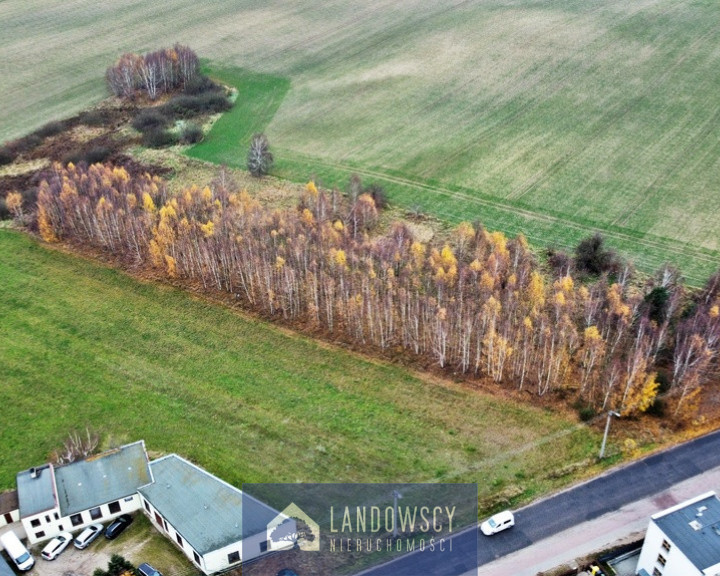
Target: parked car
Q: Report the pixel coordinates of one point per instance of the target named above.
(147, 570)
(501, 521)
(56, 546)
(286, 572)
(118, 525)
(85, 537)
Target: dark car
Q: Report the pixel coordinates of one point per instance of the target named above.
(286, 572)
(116, 528)
(146, 570)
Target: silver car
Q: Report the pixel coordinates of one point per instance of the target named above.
(88, 535)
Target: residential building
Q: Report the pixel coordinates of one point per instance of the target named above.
(683, 540)
(204, 515)
(72, 496)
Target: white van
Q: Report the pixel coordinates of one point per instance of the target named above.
(501, 521)
(17, 552)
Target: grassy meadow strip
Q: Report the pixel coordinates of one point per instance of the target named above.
(85, 345)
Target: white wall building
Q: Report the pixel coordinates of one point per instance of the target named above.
(683, 540)
(70, 497)
(204, 516)
(197, 511)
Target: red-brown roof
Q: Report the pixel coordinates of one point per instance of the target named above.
(8, 502)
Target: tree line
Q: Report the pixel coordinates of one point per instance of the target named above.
(477, 305)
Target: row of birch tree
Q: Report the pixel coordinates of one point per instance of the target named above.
(477, 305)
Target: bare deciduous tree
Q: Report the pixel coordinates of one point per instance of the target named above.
(77, 447)
(259, 159)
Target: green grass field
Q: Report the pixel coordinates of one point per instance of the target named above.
(554, 118)
(85, 345)
(259, 97)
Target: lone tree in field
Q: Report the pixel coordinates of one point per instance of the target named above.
(591, 257)
(259, 158)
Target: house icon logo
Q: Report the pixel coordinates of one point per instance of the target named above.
(293, 528)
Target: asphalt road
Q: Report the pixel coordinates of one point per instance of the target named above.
(566, 509)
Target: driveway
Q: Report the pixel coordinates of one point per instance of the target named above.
(139, 543)
(74, 562)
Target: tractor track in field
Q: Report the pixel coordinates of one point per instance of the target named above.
(391, 134)
(612, 117)
(528, 214)
(609, 120)
(697, 139)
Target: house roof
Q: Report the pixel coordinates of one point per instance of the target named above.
(36, 490)
(694, 527)
(206, 511)
(9, 502)
(102, 478)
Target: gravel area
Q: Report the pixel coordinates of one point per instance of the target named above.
(74, 562)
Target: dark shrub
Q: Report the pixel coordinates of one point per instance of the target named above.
(4, 212)
(89, 156)
(657, 303)
(94, 118)
(29, 196)
(377, 193)
(592, 258)
(586, 413)
(559, 261)
(185, 106)
(150, 119)
(158, 138)
(6, 156)
(97, 154)
(216, 102)
(191, 134)
(75, 156)
(199, 85)
(30, 142)
(657, 408)
(51, 129)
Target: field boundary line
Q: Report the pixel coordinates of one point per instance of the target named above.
(671, 246)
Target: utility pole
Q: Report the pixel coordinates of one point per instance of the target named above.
(607, 429)
(396, 495)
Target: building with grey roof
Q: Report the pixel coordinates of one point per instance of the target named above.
(200, 513)
(100, 479)
(36, 490)
(53, 499)
(204, 516)
(683, 540)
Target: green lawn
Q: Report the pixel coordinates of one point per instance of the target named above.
(85, 345)
(555, 118)
(259, 96)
